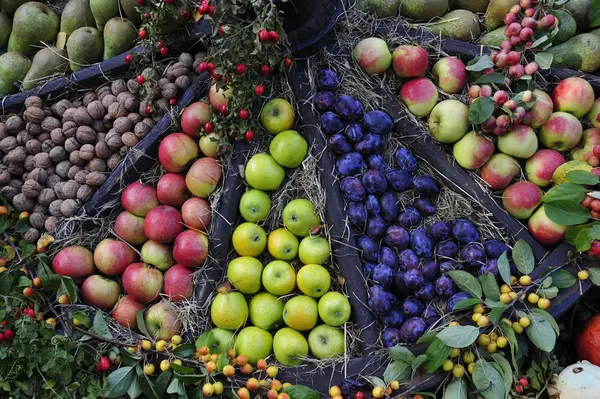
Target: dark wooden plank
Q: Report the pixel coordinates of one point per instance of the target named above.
(344, 252)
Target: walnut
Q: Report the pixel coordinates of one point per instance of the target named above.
(162, 82)
(169, 91)
(37, 220)
(129, 139)
(23, 137)
(48, 145)
(89, 97)
(87, 152)
(47, 110)
(71, 144)
(16, 183)
(73, 171)
(69, 129)
(108, 121)
(122, 125)
(152, 90)
(101, 149)
(69, 207)
(50, 170)
(60, 107)
(52, 180)
(4, 177)
(33, 146)
(33, 101)
(22, 203)
(44, 136)
(38, 174)
(9, 143)
(58, 191)
(123, 151)
(135, 117)
(142, 111)
(57, 136)
(31, 189)
(131, 103)
(176, 70)
(15, 156)
(31, 235)
(69, 189)
(62, 169)
(68, 115)
(133, 86)
(163, 105)
(42, 160)
(46, 196)
(3, 131)
(96, 109)
(183, 82)
(95, 179)
(113, 161)
(118, 86)
(17, 170)
(96, 165)
(141, 129)
(150, 122)
(54, 208)
(14, 124)
(35, 129)
(116, 110)
(80, 176)
(85, 135)
(28, 166)
(100, 136)
(98, 126)
(50, 123)
(84, 193)
(150, 74)
(81, 117)
(50, 224)
(113, 140)
(8, 192)
(75, 159)
(103, 91)
(186, 59)
(58, 154)
(39, 208)
(34, 114)
(108, 101)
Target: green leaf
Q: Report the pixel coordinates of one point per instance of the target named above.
(397, 370)
(550, 292)
(376, 382)
(141, 323)
(24, 282)
(176, 386)
(4, 223)
(523, 257)
(67, 286)
(481, 109)
(185, 350)
(541, 333)
(566, 213)
(134, 390)
(436, 353)
(594, 15)
(189, 378)
(563, 279)
(582, 177)
(513, 343)
(496, 314)
(466, 303)
(181, 369)
(300, 392)
(549, 319)
(458, 336)
(222, 361)
(119, 381)
(494, 77)
(505, 370)
(565, 192)
(162, 382)
(418, 362)
(490, 286)
(402, 354)
(100, 327)
(479, 64)
(5, 282)
(466, 282)
(26, 249)
(22, 226)
(488, 380)
(504, 267)
(594, 275)
(583, 240)
(427, 338)
(457, 389)
(544, 59)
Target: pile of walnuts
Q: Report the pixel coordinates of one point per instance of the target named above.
(53, 158)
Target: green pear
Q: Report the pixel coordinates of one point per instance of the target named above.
(5, 29)
(494, 16)
(103, 10)
(567, 27)
(47, 64)
(84, 47)
(457, 24)
(129, 7)
(382, 8)
(33, 23)
(13, 68)
(75, 15)
(9, 7)
(493, 38)
(470, 5)
(579, 52)
(423, 10)
(580, 10)
(119, 36)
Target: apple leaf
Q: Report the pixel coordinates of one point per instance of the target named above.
(300, 392)
(488, 380)
(479, 64)
(582, 177)
(397, 370)
(494, 77)
(490, 286)
(67, 286)
(541, 333)
(481, 110)
(402, 354)
(185, 350)
(496, 313)
(544, 59)
(100, 327)
(119, 381)
(594, 16)
(466, 303)
(565, 192)
(427, 338)
(523, 257)
(563, 279)
(594, 275)
(459, 336)
(141, 323)
(466, 282)
(437, 353)
(504, 268)
(457, 389)
(566, 213)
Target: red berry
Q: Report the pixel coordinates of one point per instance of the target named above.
(510, 18)
(211, 10)
(523, 380)
(1, 337)
(596, 150)
(265, 70)
(104, 363)
(224, 110)
(513, 58)
(148, 109)
(140, 2)
(263, 35)
(140, 79)
(143, 34)
(160, 44)
(516, 71)
(244, 114)
(147, 15)
(519, 389)
(203, 9)
(240, 69)
(9, 335)
(185, 14)
(526, 34)
(359, 395)
(224, 80)
(287, 62)
(164, 51)
(128, 58)
(3, 322)
(217, 76)
(208, 127)
(500, 97)
(210, 67)
(273, 36)
(221, 31)
(173, 101)
(203, 66)
(259, 90)
(249, 135)
(169, 1)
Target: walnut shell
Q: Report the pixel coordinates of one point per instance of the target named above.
(31, 189)
(52, 180)
(103, 91)
(33, 101)
(152, 90)
(129, 139)
(113, 161)
(60, 107)
(9, 143)
(17, 155)
(124, 151)
(131, 103)
(84, 193)
(3, 131)
(96, 109)
(142, 111)
(58, 154)
(108, 121)
(89, 97)
(176, 70)
(102, 151)
(87, 152)
(133, 86)
(135, 117)
(48, 145)
(69, 207)
(122, 125)
(80, 176)
(141, 129)
(38, 174)
(58, 191)
(71, 144)
(39, 208)
(116, 110)
(14, 124)
(186, 59)
(37, 220)
(4, 177)
(62, 169)
(95, 179)
(50, 224)
(98, 126)
(47, 110)
(113, 140)
(118, 86)
(8, 192)
(31, 235)
(162, 82)
(17, 170)
(50, 123)
(96, 165)
(81, 117)
(73, 170)
(35, 129)
(169, 91)
(33, 146)
(15, 183)
(42, 160)
(68, 114)
(150, 74)
(183, 82)
(23, 137)
(75, 159)
(109, 100)
(69, 189)
(69, 129)
(57, 136)
(34, 114)
(22, 203)
(85, 135)
(54, 208)
(46, 196)
(50, 170)
(44, 136)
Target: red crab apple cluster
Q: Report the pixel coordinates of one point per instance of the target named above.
(521, 385)
(103, 365)
(521, 23)
(509, 112)
(206, 9)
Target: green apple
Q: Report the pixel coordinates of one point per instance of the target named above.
(158, 255)
(217, 340)
(290, 347)
(314, 250)
(279, 278)
(289, 149)
(326, 341)
(229, 310)
(266, 311)
(255, 205)
(264, 173)
(255, 343)
(249, 239)
(334, 309)
(244, 273)
(449, 121)
(277, 116)
(299, 217)
(282, 244)
(313, 280)
(301, 313)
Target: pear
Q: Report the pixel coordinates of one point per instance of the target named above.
(84, 47)
(75, 15)
(33, 23)
(129, 7)
(381, 8)
(493, 38)
(119, 36)
(47, 64)
(104, 10)
(579, 52)
(13, 68)
(457, 24)
(580, 10)
(423, 10)
(470, 5)
(9, 7)
(494, 16)
(5, 28)
(567, 27)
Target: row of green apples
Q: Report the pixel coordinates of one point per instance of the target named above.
(275, 298)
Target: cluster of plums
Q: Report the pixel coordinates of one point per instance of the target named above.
(406, 261)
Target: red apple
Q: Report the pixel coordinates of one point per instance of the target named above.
(177, 151)
(139, 198)
(158, 255)
(593, 116)
(419, 95)
(190, 248)
(195, 116)
(219, 97)
(519, 142)
(113, 256)
(545, 230)
(210, 145)
(74, 262)
(410, 61)
(142, 282)
(125, 312)
(591, 138)
(100, 292)
(130, 228)
(574, 95)
(163, 224)
(373, 55)
(179, 283)
(171, 190)
(203, 177)
(197, 213)
(561, 132)
(499, 171)
(161, 321)
(473, 150)
(541, 166)
(450, 74)
(542, 109)
(521, 199)
(587, 342)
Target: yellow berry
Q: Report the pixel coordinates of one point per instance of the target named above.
(178, 362)
(149, 369)
(272, 371)
(483, 340)
(583, 274)
(218, 388)
(544, 303)
(524, 322)
(395, 385)
(228, 371)
(513, 295)
(335, 391)
(468, 357)
(448, 365)
(483, 321)
(492, 347)
(525, 280)
(502, 342)
(517, 327)
(454, 323)
(505, 289)
(131, 349)
(458, 371)
(455, 353)
(165, 365)
(161, 345)
(513, 280)
(176, 339)
(493, 336)
(208, 389)
(505, 298)
(533, 298)
(478, 308)
(288, 384)
(146, 345)
(378, 392)
(470, 367)
(476, 316)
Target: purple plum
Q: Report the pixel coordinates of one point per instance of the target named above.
(377, 162)
(414, 279)
(372, 205)
(370, 144)
(449, 265)
(331, 123)
(399, 287)
(328, 79)
(427, 186)
(350, 164)
(388, 256)
(444, 286)
(409, 218)
(353, 189)
(446, 249)
(473, 255)
(368, 246)
(338, 144)
(378, 122)
(368, 269)
(324, 101)
(357, 214)
(376, 226)
(494, 248)
(388, 202)
(354, 132)
(430, 269)
(408, 260)
(399, 180)
(374, 182)
(430, 316)
(349, 108)
(390, 337)
(456, 298)
(440, 231)
(491, 266)
(383, 275)
(411, 307)
(425, 206)
(397, 237)
(394, 318)
(426, 292)
(412, 330)
(421, 242)
(464, 231)
(406, 160)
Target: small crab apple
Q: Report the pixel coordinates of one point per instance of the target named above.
(595, 249)
(240, 69)
(273, 36)
(170, 2)
(263, 35)
(548, 22)
(265, 70)
(259, 90)
(518, 389)
(287, 62)
(28, 291)
(516, 9)
(224, 110)
(249, 135)
(244, 114)
(486, 91)
(164, 51)
(510, 18)
(140, 79)
(512, 30)
(142, 34)
(513, 58)
(526, 34)
(500, 97)
(128, 59)
(524, 381)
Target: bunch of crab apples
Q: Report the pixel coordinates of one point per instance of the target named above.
(167, 225)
